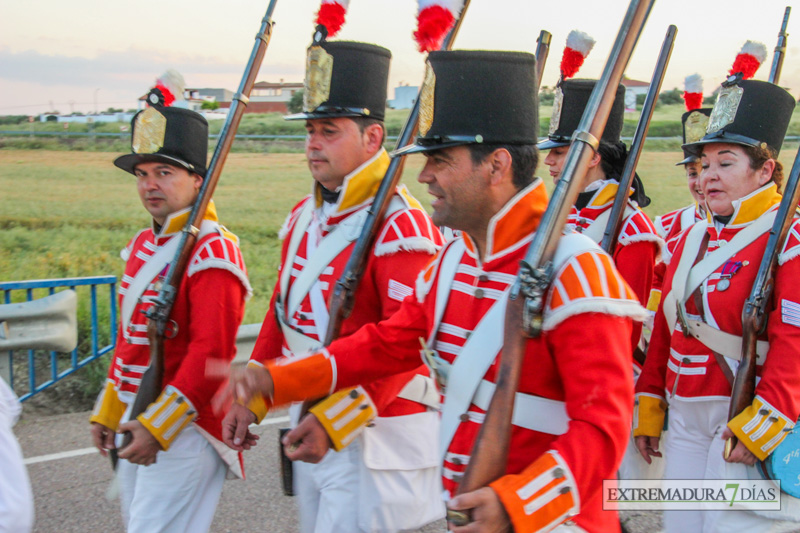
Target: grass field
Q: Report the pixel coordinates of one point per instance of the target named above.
(68, 214)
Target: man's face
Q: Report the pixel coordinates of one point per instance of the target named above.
(555, 160)
(334, 148)
(459, 188)
(165, 188)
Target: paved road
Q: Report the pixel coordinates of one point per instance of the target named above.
(70, 491)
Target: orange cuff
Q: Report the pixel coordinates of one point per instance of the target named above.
(541, 497)
(295, 380)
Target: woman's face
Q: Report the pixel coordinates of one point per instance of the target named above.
(726, 176)
(693, 170)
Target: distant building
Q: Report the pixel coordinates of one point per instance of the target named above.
(85, 119)
(633, 88)
(268, 97)
(404, 97)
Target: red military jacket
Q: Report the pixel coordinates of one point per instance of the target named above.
(638, 244)
(581, 362)
(668, 227)
(683, 367)
(205, 318)
(407, 239)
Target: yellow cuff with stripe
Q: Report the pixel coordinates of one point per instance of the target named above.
(648, 415)
(168, 416)
(257, 404)
(108, 408)
(653, 300)
(344, 415)
(541, 497)
(761, 427)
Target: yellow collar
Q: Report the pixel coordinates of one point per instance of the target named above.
(360, 186)
(515, 222)
(605, 194)
(748, 208)
(177, 220)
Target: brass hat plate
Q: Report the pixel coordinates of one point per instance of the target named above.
(725, 109)
(317, 86)
(695, 127)
(426, 101)
(555, 119)
(148, 132)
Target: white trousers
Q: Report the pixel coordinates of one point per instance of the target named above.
(177, 494)
(693, 448)
(380, 483)
(16, 498)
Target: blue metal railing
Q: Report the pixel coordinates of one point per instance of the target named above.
(95, 352)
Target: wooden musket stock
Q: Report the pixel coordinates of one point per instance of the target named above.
(780, 49)
(523, 317)
(611, 233)
(159, 313)
(754, 314)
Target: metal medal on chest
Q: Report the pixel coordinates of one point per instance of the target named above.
(723, 284)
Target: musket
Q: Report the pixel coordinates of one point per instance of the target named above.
(754, 314)
(525, 305)
(542, 51)
(341, 304)
(780, 49)
(611, 233)
(159, 313)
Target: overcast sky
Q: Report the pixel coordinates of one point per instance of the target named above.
(68, 55)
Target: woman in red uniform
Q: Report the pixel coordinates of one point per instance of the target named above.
(688, 366)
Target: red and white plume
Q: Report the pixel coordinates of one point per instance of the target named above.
(693, 92)
(434, 20)
(749, 59)
(171, 85)
(331, 15)
(579, 44)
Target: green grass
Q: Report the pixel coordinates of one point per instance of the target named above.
(69, 213)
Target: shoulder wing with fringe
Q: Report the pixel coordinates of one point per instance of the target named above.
(637, 228)
(408, 229)
(220, 249)
(589, 283)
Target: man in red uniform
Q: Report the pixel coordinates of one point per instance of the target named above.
(381, 473)
(575, 398)
(171, 474)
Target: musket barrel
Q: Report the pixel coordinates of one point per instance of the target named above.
(610, 236)
(780, 49)
(542, 51)
(342, 300)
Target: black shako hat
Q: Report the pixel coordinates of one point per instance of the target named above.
(750, 113)
(169, 134)
(570, 101)
(694, 124)
(345, 79)
(476, 96)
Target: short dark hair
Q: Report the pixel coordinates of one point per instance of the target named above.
(524, 159)
(364, 122)
(758, 155)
